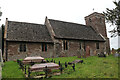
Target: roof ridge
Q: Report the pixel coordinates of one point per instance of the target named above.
(25, 22)
(69, 30)
(67, 22)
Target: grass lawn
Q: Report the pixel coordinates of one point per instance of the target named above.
(92, 67)
(11, 70)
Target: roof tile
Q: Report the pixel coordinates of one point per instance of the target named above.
(21, 31)
(70, 30)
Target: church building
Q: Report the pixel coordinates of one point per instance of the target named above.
(56, 38)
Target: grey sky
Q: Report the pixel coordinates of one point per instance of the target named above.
(35, 11)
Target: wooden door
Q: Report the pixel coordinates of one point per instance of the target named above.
(87, 51)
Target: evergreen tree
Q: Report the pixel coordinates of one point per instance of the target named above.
(113, 16)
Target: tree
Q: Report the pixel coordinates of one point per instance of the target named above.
(0, 32)
(3, 27)
(113, 16)
(118, 50)
(0, 13)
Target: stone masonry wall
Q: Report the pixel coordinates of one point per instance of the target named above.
(74, 47)
(32, 49)
(97, 21)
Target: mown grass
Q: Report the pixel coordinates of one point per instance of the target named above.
(11, 70)
(92, 67)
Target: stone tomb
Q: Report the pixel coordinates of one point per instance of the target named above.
(32, 59)
(40, 67)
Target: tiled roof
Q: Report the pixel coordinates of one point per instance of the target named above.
(21, 31)
(70, 30)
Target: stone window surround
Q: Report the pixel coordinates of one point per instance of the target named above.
(22, 47)
(65, 45)
(97, 45)
(44, 47)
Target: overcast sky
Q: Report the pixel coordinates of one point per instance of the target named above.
(35, 11)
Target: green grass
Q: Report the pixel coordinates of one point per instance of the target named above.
(11, 70)
(92, 67)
